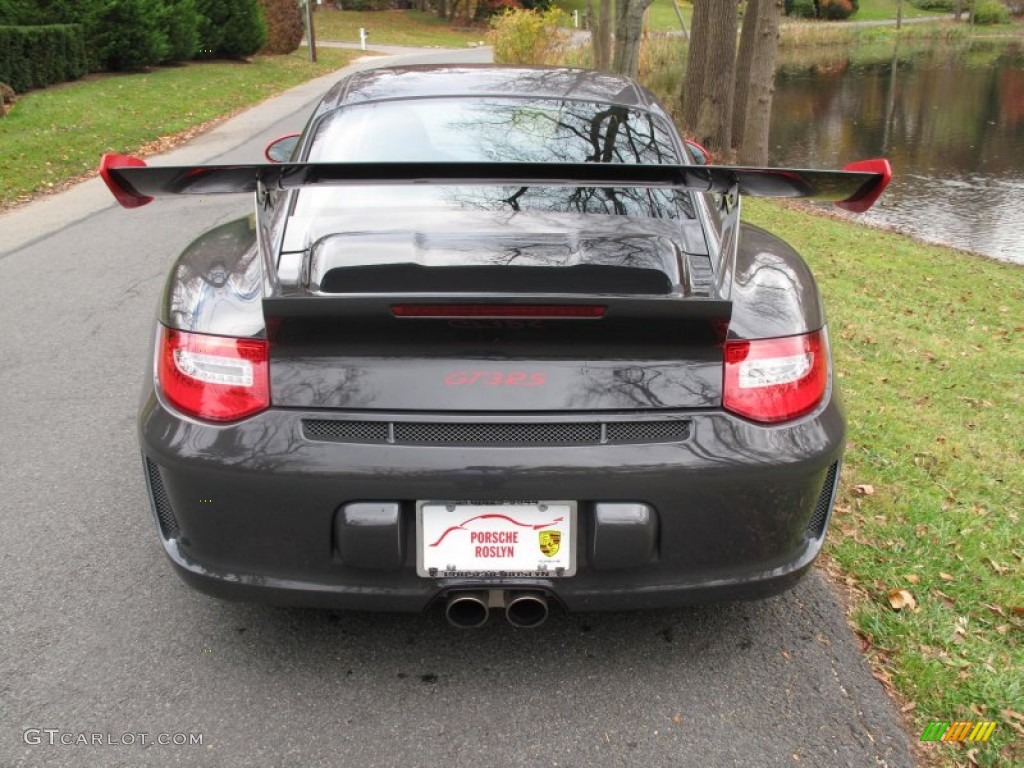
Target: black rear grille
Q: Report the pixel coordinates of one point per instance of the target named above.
(816, 525)
(672, 431)
(161, 502)
(497, 433)
(347, 431)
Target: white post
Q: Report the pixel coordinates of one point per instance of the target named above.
(576, 19)
(362, 38)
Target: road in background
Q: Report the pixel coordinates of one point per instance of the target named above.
(98, 636)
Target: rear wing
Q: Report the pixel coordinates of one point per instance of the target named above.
(854, 188)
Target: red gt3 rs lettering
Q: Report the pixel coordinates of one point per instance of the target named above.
(495, 379)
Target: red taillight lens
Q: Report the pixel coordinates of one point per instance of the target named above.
(214, 377)
(771, 380)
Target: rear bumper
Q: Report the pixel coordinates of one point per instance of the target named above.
(249, 511)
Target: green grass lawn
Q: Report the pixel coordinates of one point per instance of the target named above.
(392, 28)
(929, 350)
(59, 133)
(873, 10)
(660, 16)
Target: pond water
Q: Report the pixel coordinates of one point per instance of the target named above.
(949, 118)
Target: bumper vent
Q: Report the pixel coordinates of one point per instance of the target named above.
(161, 502)
(816, 526)
(497, 433)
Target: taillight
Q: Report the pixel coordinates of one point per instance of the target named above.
(771, 380)
(214, 377)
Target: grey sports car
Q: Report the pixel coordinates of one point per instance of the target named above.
(493, 339)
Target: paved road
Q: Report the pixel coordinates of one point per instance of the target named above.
(97, 636)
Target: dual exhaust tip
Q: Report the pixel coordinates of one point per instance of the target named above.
(468, 610)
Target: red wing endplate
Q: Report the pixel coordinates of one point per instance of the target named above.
(854, 188)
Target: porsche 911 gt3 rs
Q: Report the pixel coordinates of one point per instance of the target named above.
(493, 339)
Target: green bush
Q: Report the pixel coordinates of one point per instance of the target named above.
(803, 9)
(284, 25)
(43, 12)
(231, 28)
(125, 35)
(937, 5)
(178, 22)
(35, 57)
(832, 10)
(522, 36)
(991, 12)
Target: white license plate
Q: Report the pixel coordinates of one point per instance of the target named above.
(467, 539)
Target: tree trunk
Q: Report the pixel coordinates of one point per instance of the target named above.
(744, 60)
(629, 29)
(758, 105)
(602, 37)
(696, 62)
(442, 9)
(710, 74)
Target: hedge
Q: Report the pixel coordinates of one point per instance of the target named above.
(35, 57)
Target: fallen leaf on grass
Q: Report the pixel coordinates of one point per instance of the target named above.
(999, 569)
(913, 578)
(864, 490)
(1017, 609)
(961, 629)
(900, 599)
(1012, 716)
(945, 576)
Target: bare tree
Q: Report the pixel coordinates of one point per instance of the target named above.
(602, 37)
(629, 27)
(711, 63)
(756, 105)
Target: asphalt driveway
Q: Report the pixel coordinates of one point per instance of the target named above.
(101, 643)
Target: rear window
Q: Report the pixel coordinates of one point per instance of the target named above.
(496, 130)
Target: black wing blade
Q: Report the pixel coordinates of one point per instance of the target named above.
(855, 188)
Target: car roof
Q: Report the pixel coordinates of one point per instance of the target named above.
(431, 81)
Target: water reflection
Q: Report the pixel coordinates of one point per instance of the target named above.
(951, 120)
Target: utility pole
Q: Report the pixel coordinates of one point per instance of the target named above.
(310, 35)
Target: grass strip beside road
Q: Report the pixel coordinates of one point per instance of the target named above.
(393, 28)
(929, 350)
(59, 133)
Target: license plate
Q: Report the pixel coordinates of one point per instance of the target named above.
(496, 539)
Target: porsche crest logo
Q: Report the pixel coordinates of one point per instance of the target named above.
(549, 542)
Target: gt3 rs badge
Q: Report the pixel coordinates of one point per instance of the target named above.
(549, 542)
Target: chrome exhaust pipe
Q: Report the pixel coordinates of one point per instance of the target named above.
(526, 609)
(467, 610)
